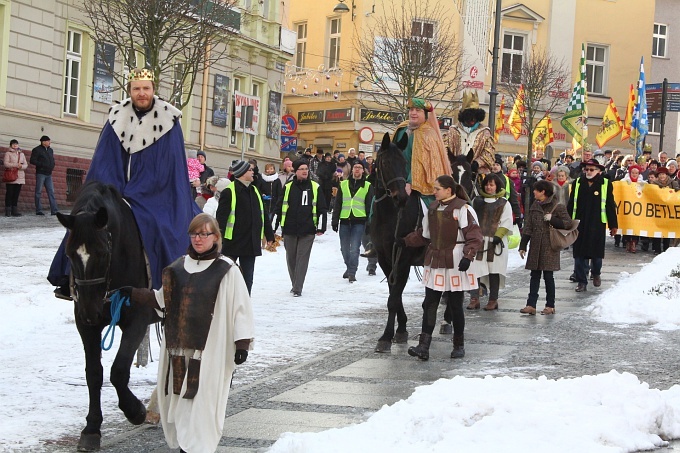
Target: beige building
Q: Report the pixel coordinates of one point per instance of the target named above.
(325, 40)
(49, 85)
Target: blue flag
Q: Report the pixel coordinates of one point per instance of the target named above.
(640, 123)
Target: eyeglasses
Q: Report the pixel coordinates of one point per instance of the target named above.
(592, 169)
(200, 235)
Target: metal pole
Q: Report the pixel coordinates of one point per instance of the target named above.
(493, 93)
(664, 97)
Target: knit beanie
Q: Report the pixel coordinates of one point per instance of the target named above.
(240, 168)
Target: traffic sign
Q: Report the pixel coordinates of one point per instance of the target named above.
(288, 144)
(288, 125)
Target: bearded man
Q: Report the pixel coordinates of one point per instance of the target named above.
(423, 147)
(141, 153)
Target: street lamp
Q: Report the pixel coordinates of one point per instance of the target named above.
(342, 8)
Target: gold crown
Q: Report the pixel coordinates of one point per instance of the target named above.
(470, 100)
(140, 74)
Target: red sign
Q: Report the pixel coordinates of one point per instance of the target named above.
(473, 72)
(288, 125)
(473, 84)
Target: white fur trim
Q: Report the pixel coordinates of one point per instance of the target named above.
(135, 134)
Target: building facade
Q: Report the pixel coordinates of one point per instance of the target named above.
(326, 39)
(50, 85)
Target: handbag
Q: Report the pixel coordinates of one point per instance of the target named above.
(560, 238)
(10, 174)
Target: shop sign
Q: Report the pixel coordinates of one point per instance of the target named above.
(310, 116)
(381, 116)
(335, 115)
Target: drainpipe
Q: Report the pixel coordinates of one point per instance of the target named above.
(204, 98)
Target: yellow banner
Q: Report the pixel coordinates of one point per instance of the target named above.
(647, 210)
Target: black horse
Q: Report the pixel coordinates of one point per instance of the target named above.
(105, 252)
(462, 172)
(395, 214)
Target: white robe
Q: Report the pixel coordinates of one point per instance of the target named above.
(452, 279)
(196, 424)
(499, 265)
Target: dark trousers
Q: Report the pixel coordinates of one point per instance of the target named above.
(247, 265)
(12, 195)
(431, 303)
(656, 244)
(535, 284)
(368, 245)
(581, 266)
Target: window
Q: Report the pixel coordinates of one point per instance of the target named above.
(301, 47)
(72, 71)
(422, 34)
(334, 44)
(512, 58)
(596, 69)
(177, 85)
(659, 40)
(654, 125)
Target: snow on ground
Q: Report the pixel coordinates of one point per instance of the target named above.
(646, 297)
(521, 415)
(44, 395)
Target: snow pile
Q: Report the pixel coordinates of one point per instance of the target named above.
(647, 297)
(610, 412)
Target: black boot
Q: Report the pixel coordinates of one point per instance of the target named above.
(15, 212)
(8, 212)
(458, 349)
(422, 351)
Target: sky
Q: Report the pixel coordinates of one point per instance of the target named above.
(44, 396)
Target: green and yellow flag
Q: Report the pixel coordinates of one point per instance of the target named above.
(575, 119)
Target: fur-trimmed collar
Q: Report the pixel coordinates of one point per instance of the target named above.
(270, 178)
(136, 134)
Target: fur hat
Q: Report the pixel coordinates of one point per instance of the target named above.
(671, 162)
(240, 168)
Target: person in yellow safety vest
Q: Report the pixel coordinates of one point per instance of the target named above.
(302, 210)
(349, 216)
(244, 226)
(592, 202)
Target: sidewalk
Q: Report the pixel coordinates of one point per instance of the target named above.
(347, 384)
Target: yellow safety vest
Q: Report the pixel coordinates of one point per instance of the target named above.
(284, 206)
(231, 220)
(355, 205)
(603, 199)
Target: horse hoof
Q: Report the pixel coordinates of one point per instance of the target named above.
(89, 442)
(400, 337)
(446, 329)
(139, 417)
(383, 346)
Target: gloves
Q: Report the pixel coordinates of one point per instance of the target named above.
(464, 264)
(547, 217)
(335, 228)
(496, 240)
(240, 356)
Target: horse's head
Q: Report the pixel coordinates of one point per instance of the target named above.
(89, 250)
(391, 171)
(463, 174)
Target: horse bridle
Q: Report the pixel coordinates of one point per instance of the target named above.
(76, 282)
(385, 185)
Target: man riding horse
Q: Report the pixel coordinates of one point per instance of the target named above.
(423, 148)
(469, 135)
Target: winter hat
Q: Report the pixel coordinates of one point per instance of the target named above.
(191, 154)
(44, 138)
(240, 168)
(661, 170)
(201, 153)
(539, 164)
(341, 155)
(212, 181)
(222, 184)
(298, 163)
(630, 167)
(670, 162)
(328, 155)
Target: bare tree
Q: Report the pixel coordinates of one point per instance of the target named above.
(545, 80)
(409, 51)
(179, 38)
